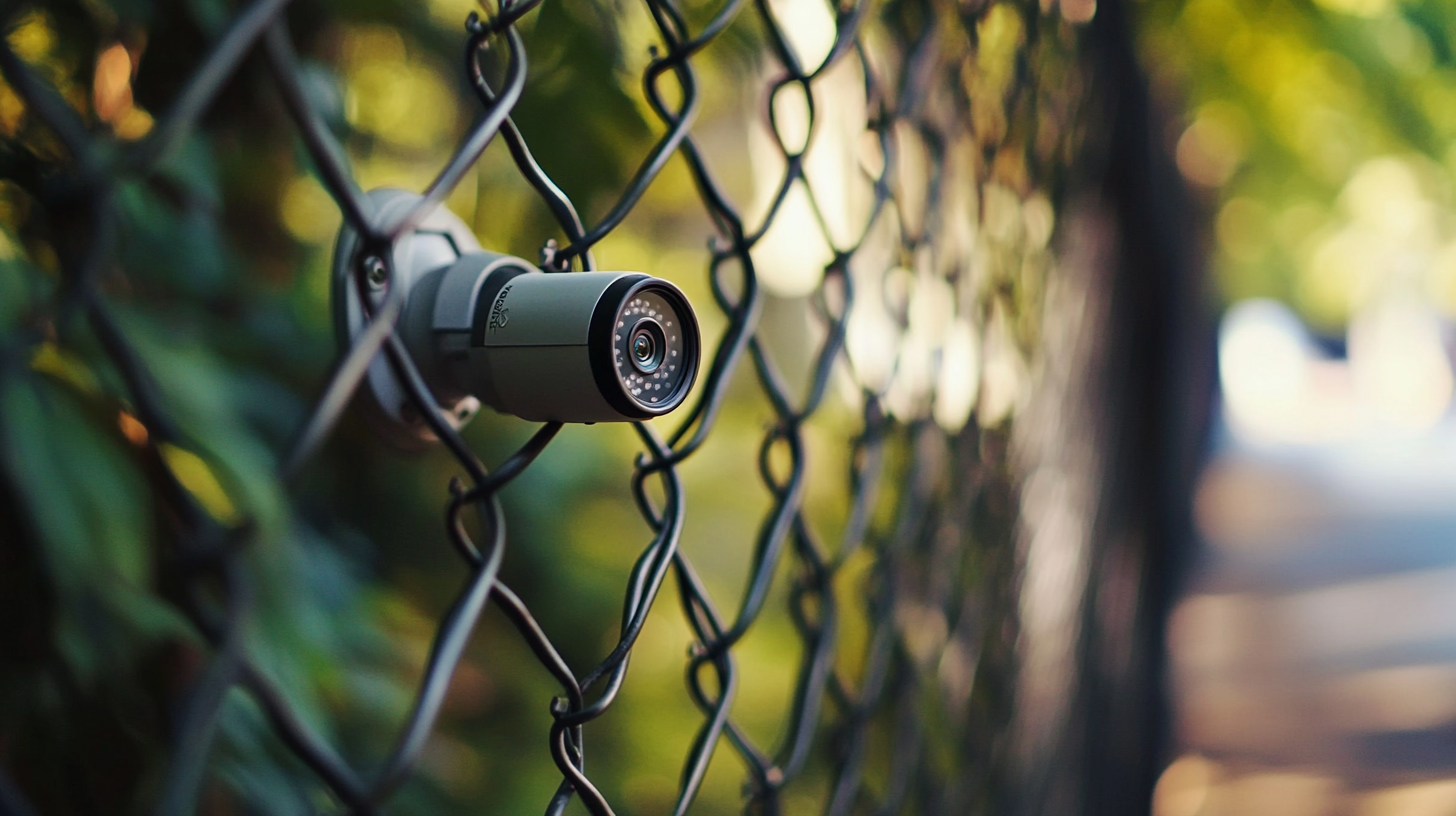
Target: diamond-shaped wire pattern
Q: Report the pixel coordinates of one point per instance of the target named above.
(969, 111)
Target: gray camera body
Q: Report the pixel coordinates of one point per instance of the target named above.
(486, 328)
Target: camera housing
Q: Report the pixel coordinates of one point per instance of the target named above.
(486, 328)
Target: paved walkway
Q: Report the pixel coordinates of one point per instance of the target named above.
(1314, 651)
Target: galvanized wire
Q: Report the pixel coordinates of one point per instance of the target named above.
(939, 552)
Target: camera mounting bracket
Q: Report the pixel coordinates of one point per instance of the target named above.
(419, 260)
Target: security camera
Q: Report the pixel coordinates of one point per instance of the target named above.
(486, 328)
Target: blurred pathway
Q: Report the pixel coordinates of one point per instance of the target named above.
(1314, 649)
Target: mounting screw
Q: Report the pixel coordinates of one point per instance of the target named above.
(465, 410)
(375, 271)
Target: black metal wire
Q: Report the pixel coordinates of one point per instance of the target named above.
(833, 716)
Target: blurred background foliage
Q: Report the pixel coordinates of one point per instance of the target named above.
(226, 257)
(1324, 134)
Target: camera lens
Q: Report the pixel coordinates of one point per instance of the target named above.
(655, 346)
(648, 345)
(644, 349)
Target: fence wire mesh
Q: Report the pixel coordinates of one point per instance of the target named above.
(947, 128)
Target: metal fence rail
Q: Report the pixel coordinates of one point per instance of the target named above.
(908, 731)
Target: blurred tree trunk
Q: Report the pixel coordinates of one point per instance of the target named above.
(1111, 455)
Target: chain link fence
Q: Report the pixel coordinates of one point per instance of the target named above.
(947, 133)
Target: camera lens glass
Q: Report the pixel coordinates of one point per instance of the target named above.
(649, 344)
(655, 348)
